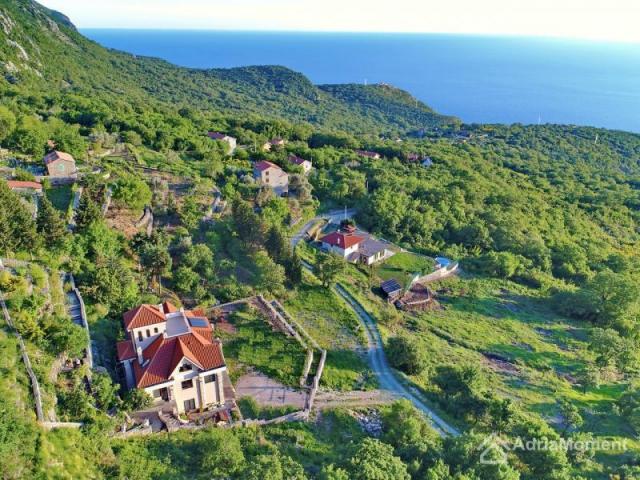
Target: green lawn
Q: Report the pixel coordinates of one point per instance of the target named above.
(403, 266)
(255, 344)
(335, 327)
(61, 197)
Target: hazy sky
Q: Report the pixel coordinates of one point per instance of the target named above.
(601, 19)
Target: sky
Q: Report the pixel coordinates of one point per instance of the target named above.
(611, 20)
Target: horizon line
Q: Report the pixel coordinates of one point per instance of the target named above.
(567, 38)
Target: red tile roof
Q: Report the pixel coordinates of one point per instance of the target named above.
(125, 350)
(142, 316)
(216, 135)
(165, 354)
(56, 155)
(265, 165)
(342, 240)
(297, 160)
(17, 184)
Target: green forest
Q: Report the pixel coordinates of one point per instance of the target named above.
(537, 337)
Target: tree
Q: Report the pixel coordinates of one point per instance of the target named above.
(136, 399)
(29, 137)
(269, 276)
(221, 453)
(611, 349)
(589, 377)
(50, 224)
(105, 391)
(131, 192)
(276, 244)
(190, 213)
(329, 267)
(405, 355)
(293, 268)
(571, 416)
(609, 299)
(331, 472)
(69, 338)
(457, 380)
(156, 260)
(246, 224)
(112, 284)
(500, 412)
(629, 406)
(67, 137)
(17, 228)
(7, 123)
(88, 212)
(375, 460)
(185, 280)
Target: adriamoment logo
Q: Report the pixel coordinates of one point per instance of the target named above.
(494, 449)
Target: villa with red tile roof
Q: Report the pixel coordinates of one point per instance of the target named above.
(301, 162)
(171, 354)
(271, 175)
(60, 164)
(355, 246)
(231, 141)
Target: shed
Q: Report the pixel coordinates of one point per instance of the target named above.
(391, 288)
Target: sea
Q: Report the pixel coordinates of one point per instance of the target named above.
(479, 79)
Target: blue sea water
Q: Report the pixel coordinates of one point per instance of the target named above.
(476, 78)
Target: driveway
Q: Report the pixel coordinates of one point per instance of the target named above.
(268, 392)
(386, 378)
(334, 216)
(375, 352)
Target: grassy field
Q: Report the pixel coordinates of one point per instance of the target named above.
(403, 266)
(256, 345)
(526, 351)
(335, 327)
(61, 197)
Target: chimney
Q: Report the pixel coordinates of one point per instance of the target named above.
(160, 308)
(140, 357)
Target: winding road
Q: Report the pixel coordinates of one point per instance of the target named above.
(375, 353)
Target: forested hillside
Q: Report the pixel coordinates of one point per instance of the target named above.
(41, 51)
(536, 337)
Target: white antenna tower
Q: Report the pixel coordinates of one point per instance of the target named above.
(539, 119)
(365, 82)
(596, 141)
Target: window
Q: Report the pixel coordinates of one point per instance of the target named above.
(210, 378)
(139, 335)
(156, 393)
(189, 405)
(148, 333)
(185, 367)
(187, 384)
(155, 330)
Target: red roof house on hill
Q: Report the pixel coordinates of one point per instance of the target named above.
(172, 355)
(60, 164)
(301, 162)
(271, 175)
(342, 243)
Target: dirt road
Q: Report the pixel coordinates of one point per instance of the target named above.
(375, 353)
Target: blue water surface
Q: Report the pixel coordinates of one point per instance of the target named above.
(476, 78)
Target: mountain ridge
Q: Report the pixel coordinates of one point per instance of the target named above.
(42, 48)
